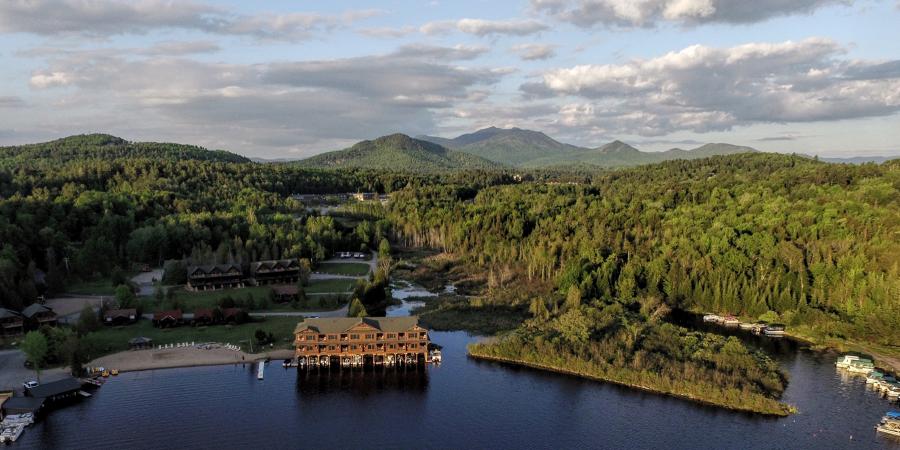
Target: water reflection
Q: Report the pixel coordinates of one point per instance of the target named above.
(366, 381)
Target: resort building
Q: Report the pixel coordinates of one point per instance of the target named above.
(283, 271)
(355, 341)
(11, 322)
(39, 315)
(219, 276)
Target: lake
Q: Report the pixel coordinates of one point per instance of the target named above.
(462, 403)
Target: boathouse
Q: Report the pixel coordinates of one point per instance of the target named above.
(361, 341)
(219, 276)
(56, 391)
(282, 271)
(39, 315)
(22, 405)
(11, 322)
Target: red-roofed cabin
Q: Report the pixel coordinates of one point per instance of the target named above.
(165, 319)
(204, 316)
(120, 316)
(234, 315)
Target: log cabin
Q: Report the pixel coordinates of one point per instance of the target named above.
(282, 271)
(219, 276)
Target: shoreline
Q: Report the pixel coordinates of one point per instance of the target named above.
(175, 358)
(688, 397)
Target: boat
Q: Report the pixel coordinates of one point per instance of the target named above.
(890, 424)
(730, 321)
(11, 433)
(893, 392)
(712, 318)
(774, 330)
(105, 374)
(861, 366)
(435, 356)
(844, 361)
(260, 368)
(874, 376)
(747, 325)
(114, 372)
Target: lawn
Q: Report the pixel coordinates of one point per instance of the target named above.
(344, 268)
(115, 339)
(339, 285)
(189, 301)
(98, 287)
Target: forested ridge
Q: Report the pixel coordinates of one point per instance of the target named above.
(807, 243)
(67, 213)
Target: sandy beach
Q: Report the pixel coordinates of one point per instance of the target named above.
(181, 357)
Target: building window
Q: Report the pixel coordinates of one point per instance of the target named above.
(370, 346)
(354, 336)
(392, 336)
(332, 337)
(370, 336)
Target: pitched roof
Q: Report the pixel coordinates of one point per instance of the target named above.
(342, 324)
(7, 313)
(175, 314)
(127, 313)
(55, 388)
(274, 264)
(35, 308)
(209, 268)
(231, 312)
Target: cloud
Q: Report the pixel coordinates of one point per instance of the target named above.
(533, 52)
(11, 101)
(101, 18)
(458, 52)
(480, 27)
(266, 109)
(627, 13)
(710, 89)
(174, 48)
(387, 32)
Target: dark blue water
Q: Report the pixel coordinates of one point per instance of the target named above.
(461, 404)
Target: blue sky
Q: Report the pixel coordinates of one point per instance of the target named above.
(287, 79)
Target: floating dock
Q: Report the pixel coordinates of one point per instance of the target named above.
(260, 368)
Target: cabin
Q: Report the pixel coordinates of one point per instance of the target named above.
(234, 315)
(210, 278)
(364, 196)
(166, 319)
(283, 271)
(38, 315)
(204, 316)
(286, 293)
(56, 391)
(11, 322)
(360, 341)
(120, 316)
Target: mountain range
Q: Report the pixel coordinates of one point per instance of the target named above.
(399, 152)
(532, 149)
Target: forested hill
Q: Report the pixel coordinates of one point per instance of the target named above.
(399, 152)
(778, 237)
(533, 149)
(104, 146)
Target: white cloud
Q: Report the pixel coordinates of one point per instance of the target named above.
(101, 18)
(46, 79)
(481, 27)
(629, 13)
(703, 89)
(532, 52)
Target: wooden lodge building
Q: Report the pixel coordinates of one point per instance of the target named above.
(355, 341)
(120, 316)
(283, 271)
(39, 315)
(11, 323)
(219, 276)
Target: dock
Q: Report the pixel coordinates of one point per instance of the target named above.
(260, 368)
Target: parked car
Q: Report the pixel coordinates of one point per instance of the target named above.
(30, 384)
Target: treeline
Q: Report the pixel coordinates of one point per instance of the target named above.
(808, 243)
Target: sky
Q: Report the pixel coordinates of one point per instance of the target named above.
(289, 79)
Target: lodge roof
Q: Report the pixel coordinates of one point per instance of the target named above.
(8, 313)
(175, 314)
(35, 308)
(192, 270)
(55, 388)
(127, 313)
(342, 324)
(274, 264)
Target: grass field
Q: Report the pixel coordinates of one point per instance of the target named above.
(189, 301)
(344, 268)
(334, 285)
(115, 339)
(98, 287)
